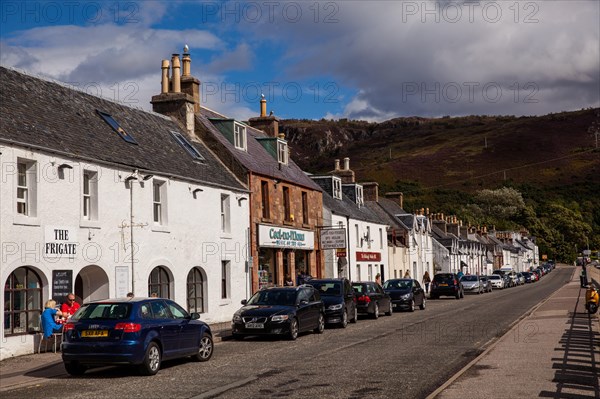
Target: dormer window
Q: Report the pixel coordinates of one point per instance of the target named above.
(359, 195)
(282, 152)
(239, 136)
(337, 188)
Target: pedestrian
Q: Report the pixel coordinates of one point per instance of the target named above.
(130, 295)
(49, 325)
(378, 279)
(70, 307)
(407, 274)
(426, 281)
(288, 280)
(583, 277)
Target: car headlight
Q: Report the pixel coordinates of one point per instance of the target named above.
(335, 307)
(281, 317)
(237, 318)
(405, 296)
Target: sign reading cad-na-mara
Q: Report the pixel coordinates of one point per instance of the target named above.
(280, 237)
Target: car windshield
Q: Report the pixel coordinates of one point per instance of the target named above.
(468, 278)
(327, 288)
(397, 284)
(274, 297)
(114, 311)
(494, 277)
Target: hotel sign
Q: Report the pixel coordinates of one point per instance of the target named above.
(368, 257)
(281, 237)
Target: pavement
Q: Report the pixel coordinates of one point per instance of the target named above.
(553, 351)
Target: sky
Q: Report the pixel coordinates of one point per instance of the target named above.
(367, 60)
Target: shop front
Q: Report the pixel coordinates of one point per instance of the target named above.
(284, 254)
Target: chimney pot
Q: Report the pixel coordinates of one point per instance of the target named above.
(164, 82)
(187, 61)
(337, 164)
(263, 106)
(346, 163)
(176, 78)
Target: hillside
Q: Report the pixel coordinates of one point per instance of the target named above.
(463, 153)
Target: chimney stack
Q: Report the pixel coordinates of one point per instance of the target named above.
(398, 196)
(346, 174)
(267, 123)
(371, 191)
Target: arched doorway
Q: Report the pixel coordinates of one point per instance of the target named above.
(91, 284)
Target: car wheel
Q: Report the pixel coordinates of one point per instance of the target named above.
(355, 318)
(151, 363)
(344, 322)
(412, 305)
(391, 310)
(205, 349)
(422, 307)
(320, 324)
(457, 296)
(376, 311)
(74, 368)
(293, 330)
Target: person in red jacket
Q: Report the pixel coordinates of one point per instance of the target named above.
(70, 307)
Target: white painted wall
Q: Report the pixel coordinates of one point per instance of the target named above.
(192, 236)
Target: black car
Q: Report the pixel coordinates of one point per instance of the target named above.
(134, 331)
(527, 276)
(406, 293)
(340, 302)
(280, 311)
(446, 284)
(370, 299)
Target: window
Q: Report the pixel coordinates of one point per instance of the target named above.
(358, 277)
(116, 127)
(90, 195)
(239, 136)
(359, 195)
(337, 188)
(225, 269)
(305, 207)
(264, 191)
(370, 273)
(183, 141)
(357, 235)
(282, 152)
(26, 187)
(286, 205)
(159, 198)
(380, 239)
(225, 223)
(22, 302)
(159, 283)
(195, 291)
(369, 237)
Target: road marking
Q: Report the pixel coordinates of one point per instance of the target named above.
(217, 391)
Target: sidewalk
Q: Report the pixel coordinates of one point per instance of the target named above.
(552, 353)
(32, 369)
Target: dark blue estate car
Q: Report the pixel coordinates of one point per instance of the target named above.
(339, 298)
(280, 311)
(133, 331)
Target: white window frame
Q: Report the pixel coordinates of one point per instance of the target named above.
(337, 188)
(89, 210)
(225, 213)
(282, 152)
(159, 203)
(359, 195)
(26, 193)
(239, 136)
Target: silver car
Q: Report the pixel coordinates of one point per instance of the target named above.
(487, 284)
(472, 283)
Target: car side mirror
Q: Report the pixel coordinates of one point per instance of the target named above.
(244, 301)
(303, 302)
(195, 316)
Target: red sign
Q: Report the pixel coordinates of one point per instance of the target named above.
(368, 256)
(340, 253)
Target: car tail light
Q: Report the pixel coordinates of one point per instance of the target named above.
(68, 327)
(128, 327)
(364, 298)
(455, 282)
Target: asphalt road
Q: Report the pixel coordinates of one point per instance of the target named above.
(406, 355)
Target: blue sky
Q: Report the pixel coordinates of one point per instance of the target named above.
(372, 60)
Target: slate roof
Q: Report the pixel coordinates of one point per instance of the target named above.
(256, 159)
(36, 112)
(385, 209)
(346, 207)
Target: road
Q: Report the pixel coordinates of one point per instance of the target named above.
(407, 355)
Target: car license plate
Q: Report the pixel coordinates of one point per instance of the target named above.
(255, 325)
(94, 333)
(443, 285)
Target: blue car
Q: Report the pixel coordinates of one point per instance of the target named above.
(135, 331)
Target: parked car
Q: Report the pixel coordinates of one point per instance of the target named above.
(472, 283)
(446, 284)
(406, 293)
(487, 284)
(520, 278)
(339, 299)
(496, 280)
(371, 299)
(280, 311)
(137, 331)
(528, 277)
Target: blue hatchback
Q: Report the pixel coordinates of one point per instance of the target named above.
(133, 331)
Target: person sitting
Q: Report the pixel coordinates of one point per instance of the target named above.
(70, 307)
(49, 325)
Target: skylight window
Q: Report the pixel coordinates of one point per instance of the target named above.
(180, 138)
(116, 127)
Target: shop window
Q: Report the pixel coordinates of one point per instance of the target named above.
(22, 302)
(266, 268)
(195, 291)
(159, 283)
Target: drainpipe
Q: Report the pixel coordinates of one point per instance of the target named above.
(348, 250)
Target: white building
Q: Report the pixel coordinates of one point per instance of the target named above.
(100, 199)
